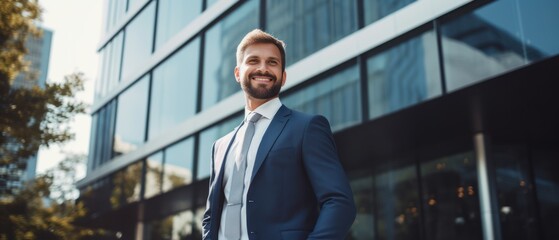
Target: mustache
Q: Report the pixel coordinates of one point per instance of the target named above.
(254, 74)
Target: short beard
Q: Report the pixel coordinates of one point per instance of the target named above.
(259, 92)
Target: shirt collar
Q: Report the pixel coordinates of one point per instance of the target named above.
(268, 109)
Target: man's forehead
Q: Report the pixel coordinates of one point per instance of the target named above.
(267, 50)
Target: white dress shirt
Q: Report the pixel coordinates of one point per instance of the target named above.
(268, 110)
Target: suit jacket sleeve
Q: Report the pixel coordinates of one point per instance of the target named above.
(207, 213)
(328, 180)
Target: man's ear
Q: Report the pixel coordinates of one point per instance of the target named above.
(284, 77)
(237, 76)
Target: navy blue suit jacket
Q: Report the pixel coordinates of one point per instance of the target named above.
(298, 188)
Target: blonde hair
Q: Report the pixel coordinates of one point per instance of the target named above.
(258, 36)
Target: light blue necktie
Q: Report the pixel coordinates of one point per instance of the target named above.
(232, 228)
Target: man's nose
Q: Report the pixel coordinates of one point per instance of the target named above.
(262, 66)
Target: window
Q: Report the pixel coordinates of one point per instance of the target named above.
(177, 226)
(138, 41)
(403, 75)
(220, 47)
(131, 118)
(174, 88)
(497, 38)
(308, 26)
(179, 160)
(377, 9)
(173, 15)
(154, 174)
(207, 138)
(337, 97)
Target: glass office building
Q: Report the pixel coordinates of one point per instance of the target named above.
(444, 111)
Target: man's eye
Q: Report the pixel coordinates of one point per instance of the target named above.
(273, 63)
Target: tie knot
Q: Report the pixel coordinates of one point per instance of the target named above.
(255, 117)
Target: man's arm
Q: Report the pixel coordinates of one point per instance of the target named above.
(329, 182)
(207, 214)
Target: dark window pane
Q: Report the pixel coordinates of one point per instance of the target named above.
(363, 195)
(219, 52)
(377, 9)
(499, 37)
(515, 193)
(131, 118)
(177, 226)
(173, 92)
(450, 196)
(154, 173)
(207, 138)
(177, 170)
(403, 75)
(308, 26)
(138, 41)
(126, 185)
(546, 163)
(174, 15)
(337, 97)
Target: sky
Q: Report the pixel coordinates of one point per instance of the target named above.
(76, 26)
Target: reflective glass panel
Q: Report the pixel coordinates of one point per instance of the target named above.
(138, 41)
(109, 74)
(403, 75)
(515, 193)
(131, 117)
(172, 16)
(501, 36)
(177, 170)
(209, 3)
(308, 26)
(127, 185)
(174, 88)
(175, 227)
(133, 4)
(546, 162)
(363, 226)
(220, 47)
(207, 138)
(115, 12)
(377, 9)
(450, 197)
(337, 97)
(154, 174)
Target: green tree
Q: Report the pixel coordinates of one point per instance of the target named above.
(30, 117)
(46, 208)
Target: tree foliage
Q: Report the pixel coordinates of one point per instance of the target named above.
(45, 208)
(30, 117)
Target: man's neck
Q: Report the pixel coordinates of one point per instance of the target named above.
(253, 103)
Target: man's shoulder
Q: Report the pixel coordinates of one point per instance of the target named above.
(302, 116)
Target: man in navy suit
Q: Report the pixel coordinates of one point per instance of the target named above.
(294, 185)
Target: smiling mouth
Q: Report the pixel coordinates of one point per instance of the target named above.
(261, 79)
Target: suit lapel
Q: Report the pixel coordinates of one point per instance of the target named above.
(272, 133)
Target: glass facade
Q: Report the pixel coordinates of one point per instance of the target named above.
(130, 119)
(174, 88)
(138, 41)
(173, 15)
(406, 185)
(496, 38)
(403, 75)
(220, 46)
(308, 26)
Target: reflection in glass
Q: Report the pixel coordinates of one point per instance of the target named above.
(101, 138)
(173, 92)
(109, 73)
(131, 118)
(132, 4)
(138, 41)
(177, 170)
(499, 37)
(450, 197)
(127, 185)
(175, 227)
(515, 193)
(198, 217)
(377, 9)
(154, 174)
(545, 162)
(336, 97)
(220, 47)
(398, 203)
(172, 16)
(207, 138)
(403, 75)
(308, 26)
(363, 226)
(115, 12)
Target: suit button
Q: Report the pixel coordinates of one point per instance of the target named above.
(250, 201)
